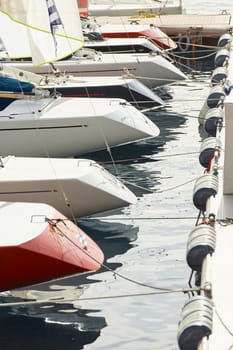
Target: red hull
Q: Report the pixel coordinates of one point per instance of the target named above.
(154, 34)
(83, 7)
(61, 250)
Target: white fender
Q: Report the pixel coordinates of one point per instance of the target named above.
(184, 42)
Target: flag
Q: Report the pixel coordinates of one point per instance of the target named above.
(54, 19)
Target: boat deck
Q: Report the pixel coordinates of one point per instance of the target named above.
(175, 22)
(180, 24)
(128, 8)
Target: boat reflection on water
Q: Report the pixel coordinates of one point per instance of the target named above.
(38, 328)
(114, 238)
(61, 325)
(169, 124)
(48, 325)
(129, 159)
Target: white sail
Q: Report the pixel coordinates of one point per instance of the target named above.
(12, 48)
(52, 27)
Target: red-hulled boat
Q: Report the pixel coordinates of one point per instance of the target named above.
(38, 243)
(151, 32)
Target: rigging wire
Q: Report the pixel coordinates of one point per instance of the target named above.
(43, 145)
(159, 290)
(54, 170)
(53, 222)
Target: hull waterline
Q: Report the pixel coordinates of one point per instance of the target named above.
(63, 184)
(64, 127)
(152, 70)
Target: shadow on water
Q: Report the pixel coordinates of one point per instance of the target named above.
(29, 328)
(197, 58)
(140, 152)
(113, 238)
(124, 160)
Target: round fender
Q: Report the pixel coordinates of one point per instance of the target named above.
(184, 43)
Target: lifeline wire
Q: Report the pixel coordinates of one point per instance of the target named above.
(155, 191)
(147, 189)
(195, 59)
(223, 323)
(53, 223)
(61, 301)
(156, 158)
(137, 218)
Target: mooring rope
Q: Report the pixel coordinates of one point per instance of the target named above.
(107, 297)
(158, 191)
(160, 290)
(130, 218)
(154, 158)
(223, 323)
(103, 265)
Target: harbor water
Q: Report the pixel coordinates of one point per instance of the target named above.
(134, 301)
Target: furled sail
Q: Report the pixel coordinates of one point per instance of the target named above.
(52, 28)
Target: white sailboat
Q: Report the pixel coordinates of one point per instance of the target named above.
(124, 87)
(59, 126)
(121, 45)
(54, 126)
(62, 184)
(37, 242)
(131, 7)
(151, 69)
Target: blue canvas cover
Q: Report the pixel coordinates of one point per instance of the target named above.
(12, 85)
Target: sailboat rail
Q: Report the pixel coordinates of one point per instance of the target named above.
(54, 95)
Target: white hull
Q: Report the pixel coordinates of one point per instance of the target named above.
(124, 87)
(132, 90)
(123, 45)
(62, 127)
(63, 184)
(151, 69)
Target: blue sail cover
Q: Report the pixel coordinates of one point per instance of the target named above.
(12, 85)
